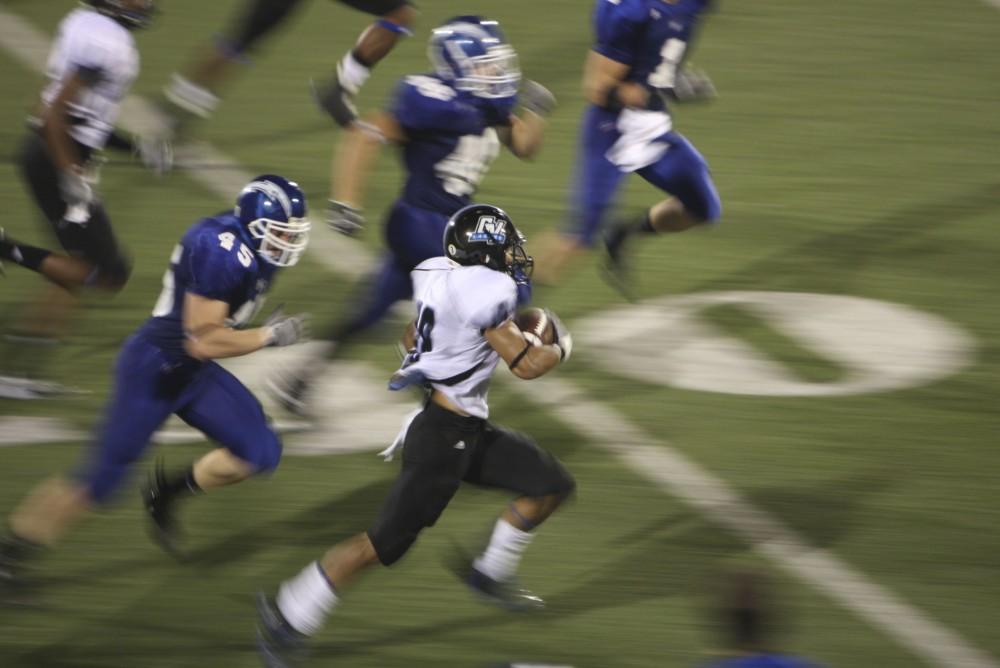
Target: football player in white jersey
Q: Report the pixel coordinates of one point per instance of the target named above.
(92, 64)
(464, 327)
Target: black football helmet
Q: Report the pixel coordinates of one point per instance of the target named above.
(133, 14)
(484, 234)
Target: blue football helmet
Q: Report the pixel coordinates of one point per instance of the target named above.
(273, 211)
(471, 53)
(133, 14)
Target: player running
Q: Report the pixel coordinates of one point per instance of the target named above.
(465, 304)
(634, 68)
(449, 126)
(91, 67)
(218, 275)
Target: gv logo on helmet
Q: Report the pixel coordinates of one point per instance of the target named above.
(490, 229)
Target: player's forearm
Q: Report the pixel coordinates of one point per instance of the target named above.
(604, 84)
(352, 165)
(218, 342)
(55, 130)
(538, 361)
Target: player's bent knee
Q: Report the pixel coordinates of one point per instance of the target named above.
(263, 455)
(390, 549)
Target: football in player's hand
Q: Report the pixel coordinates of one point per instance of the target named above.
(536, 326)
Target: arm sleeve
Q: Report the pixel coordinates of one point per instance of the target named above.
(618, 28)
(425, 104)
(214, 272)
(486, 299)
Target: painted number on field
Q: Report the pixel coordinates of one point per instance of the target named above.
(880, 345)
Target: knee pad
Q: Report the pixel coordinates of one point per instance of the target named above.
(115, 274)
(263, 454)
(388, 549)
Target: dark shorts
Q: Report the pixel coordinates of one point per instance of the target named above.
(260, 17)
(443, 450)
(94, 241)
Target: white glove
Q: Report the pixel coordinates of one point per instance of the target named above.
(563, 338)
(285, 330)
(693, 85)
(156, 154)
(537, 98)
(344, 218)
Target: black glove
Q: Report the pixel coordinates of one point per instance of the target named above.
(344, 218)
(563, 338)
(537, 98)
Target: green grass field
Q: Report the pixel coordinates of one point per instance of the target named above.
(855, 149)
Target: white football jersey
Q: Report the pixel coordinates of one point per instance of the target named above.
(455, 305)
(104, 48)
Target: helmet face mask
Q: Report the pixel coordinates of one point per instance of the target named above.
(484, 234)
(472, 53)
(273, 211)
(133, 14)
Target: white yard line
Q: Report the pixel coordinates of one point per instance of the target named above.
(649, 457)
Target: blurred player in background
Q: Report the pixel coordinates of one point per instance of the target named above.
(195, 93)
(217, 277)
(746, 615)
(449, 126)
(465, 305)
(634, 68)
(91, 67)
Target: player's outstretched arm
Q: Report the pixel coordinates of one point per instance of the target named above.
(353, 161)
(525, 134)
(208, 337)
(525, 359)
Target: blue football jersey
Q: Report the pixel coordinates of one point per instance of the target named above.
(215, 259)
(452, 141)
(651, 36)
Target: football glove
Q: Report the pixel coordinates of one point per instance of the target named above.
(563, 338)
(285, 330)
(74, 188)
(537, 98)
(693, 85)
(344, 218)
(156, 154)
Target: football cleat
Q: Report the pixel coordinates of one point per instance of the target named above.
(163, 524)
(508, 595)
(278, 644)
(290, 390)
(337, 100)
(615, 268)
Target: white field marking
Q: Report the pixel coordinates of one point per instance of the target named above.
(671, 470)
(880, 345)
(657, 461)
(16, 430)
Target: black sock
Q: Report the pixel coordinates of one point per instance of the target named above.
(28, 257)
(644, 225)
(181, 484)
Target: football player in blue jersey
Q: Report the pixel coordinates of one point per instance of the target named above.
(217, 277)
(634, 69)
(194, 94)
(449, 125)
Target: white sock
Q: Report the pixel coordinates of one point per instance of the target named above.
(502, 556)
(352, 74)
(191, 97)
(306, 600)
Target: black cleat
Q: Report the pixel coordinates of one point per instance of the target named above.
(615, 269)
(507, 595)
(336, 100)
(278, 644)
(15, 589)
(290, 390)
(163, 527)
